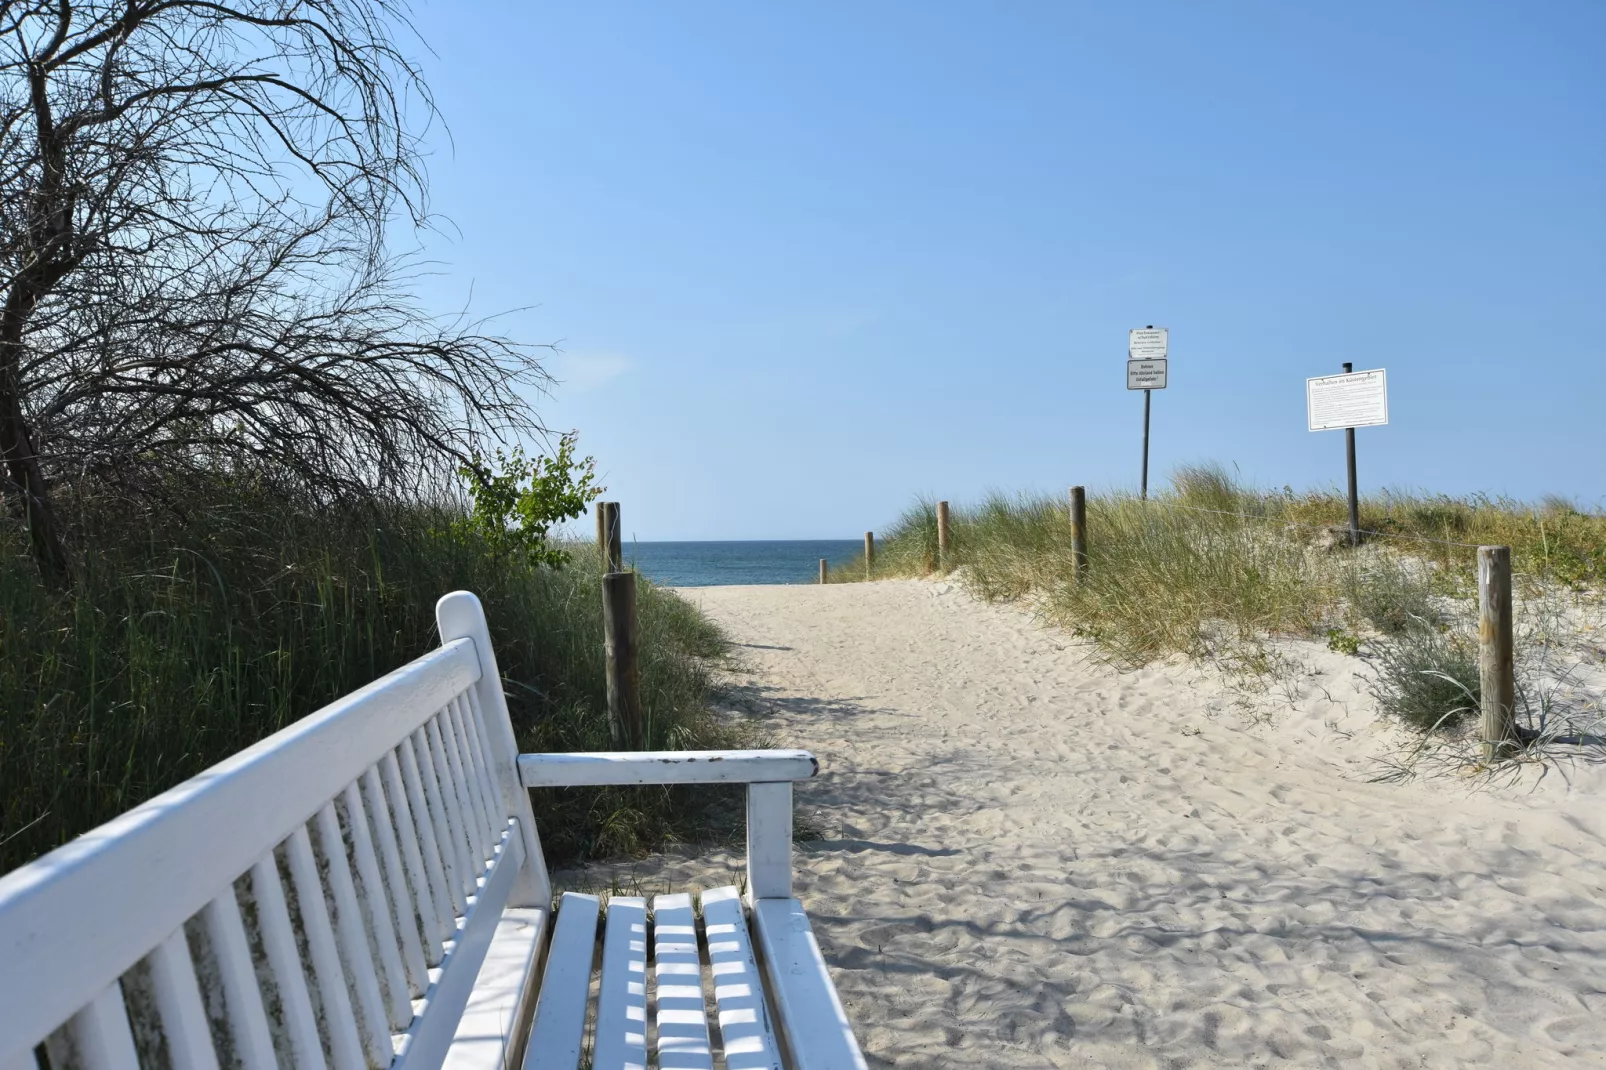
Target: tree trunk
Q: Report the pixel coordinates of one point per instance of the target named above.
(21, 460)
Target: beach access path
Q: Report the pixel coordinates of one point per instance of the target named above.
(1022, 857)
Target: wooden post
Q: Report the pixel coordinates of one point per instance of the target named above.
(615, 552)
(869, 553)
(1496, 660)
(601, 509)
(822, 570)
(942, 536)
(624, 683)
(1079, 533)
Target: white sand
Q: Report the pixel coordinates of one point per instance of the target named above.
(1028, 859)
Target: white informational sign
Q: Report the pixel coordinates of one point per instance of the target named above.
(1147, 343)
(1145, 374)
(1358, 399)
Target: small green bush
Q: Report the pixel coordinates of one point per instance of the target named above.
(1428, 678)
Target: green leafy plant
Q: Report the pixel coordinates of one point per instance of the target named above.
(1341, 642)
(518, 501)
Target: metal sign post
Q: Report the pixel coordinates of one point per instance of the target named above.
(1354, 399)
(1146, 371)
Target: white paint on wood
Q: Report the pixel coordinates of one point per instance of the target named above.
(415, 804)
(459, 615)
(680, 1041)
(431, 1036)
(297, 1023)
(813, 1024)
(622, 996)
(456, 773)
(744, 1018)
(333, 1005)
(484, 779)
(374, 911)
(485, 820)
(560, 1011)
(665, 767)
(462, 871)
(158, 865)
(769, 841)
(97, 1037)
(178, 1004)
(356, 956)
(497, 1016)
(394, 888)
(228, 976)
(434, 811)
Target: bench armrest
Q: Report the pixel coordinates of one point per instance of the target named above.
(666, 767)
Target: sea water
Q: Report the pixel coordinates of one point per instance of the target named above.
(716, 564)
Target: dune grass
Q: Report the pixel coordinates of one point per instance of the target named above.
(182, 642)
(1209, 568)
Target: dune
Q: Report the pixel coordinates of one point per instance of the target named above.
(1018, 856)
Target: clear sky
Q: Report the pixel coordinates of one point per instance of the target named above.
(807, 261)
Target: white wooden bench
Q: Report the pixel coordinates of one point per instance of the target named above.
(366, 889)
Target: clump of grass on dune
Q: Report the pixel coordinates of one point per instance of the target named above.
(180, 642)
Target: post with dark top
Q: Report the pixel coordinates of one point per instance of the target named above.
(624, 682)
(1496, 659)
(869, 553)
(942, 536)
(822, 570)
(601, 509)
(1349, 455)
(615, 560)
(1079, 533)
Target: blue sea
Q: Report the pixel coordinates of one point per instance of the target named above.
(718, 564)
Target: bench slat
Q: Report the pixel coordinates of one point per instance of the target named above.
(333, 998)
(744, 1020)
(468, 866)
(681, 1041)
(428, 881)
(484, 820)
(297, 1024)
(97, 1037)
(497, 1016)
(483, 780)
(374, 908)
(393, 884)
(454, 856)
(437, 842)
(622, 996)
(178, 1004)
(351, 936)
(468, 819)
(226, 970)
(560, 1011)
(813, 1024)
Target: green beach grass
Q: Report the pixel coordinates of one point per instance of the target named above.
(183, 641)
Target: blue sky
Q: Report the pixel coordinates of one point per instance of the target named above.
(807, 261)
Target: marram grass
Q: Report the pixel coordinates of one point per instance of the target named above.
(181, 643)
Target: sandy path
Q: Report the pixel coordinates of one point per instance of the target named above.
(1027, 859)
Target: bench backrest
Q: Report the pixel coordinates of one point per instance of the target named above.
(300, 896)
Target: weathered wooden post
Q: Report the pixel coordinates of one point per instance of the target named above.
(625, 721)
(1079, 533)
(942, 536)
(1496, 659)
(869, 553)
(615, 553)
(601, 509)
(822, 570)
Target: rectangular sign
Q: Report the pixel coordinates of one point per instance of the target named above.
(1145, 374)
(1147, 343)
(1358, 399)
